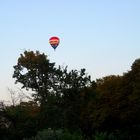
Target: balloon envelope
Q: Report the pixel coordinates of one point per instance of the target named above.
(54, 42)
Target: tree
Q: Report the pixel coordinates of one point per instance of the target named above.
(106, 105)
(75, 97)
(34, 71)
(131, 90)
(118, 103)
(22, 120)
(56, 89)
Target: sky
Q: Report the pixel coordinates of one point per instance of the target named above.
(102, 36)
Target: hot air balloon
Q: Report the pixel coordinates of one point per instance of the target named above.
(54, 42)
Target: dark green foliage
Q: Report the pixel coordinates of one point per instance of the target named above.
(103, 136)
(51, 115)
(49, 134)
(21, 120)
(118, 104)
(105, 109)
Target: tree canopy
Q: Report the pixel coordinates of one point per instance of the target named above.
(69, 100)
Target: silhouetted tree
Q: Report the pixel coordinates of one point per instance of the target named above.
(34, 71)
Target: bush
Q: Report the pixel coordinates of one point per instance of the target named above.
(49, 134)
(104, 136)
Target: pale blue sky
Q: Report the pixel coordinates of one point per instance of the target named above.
(102, 36)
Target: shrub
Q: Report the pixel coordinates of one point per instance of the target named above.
(49, 134)
(104, 136)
